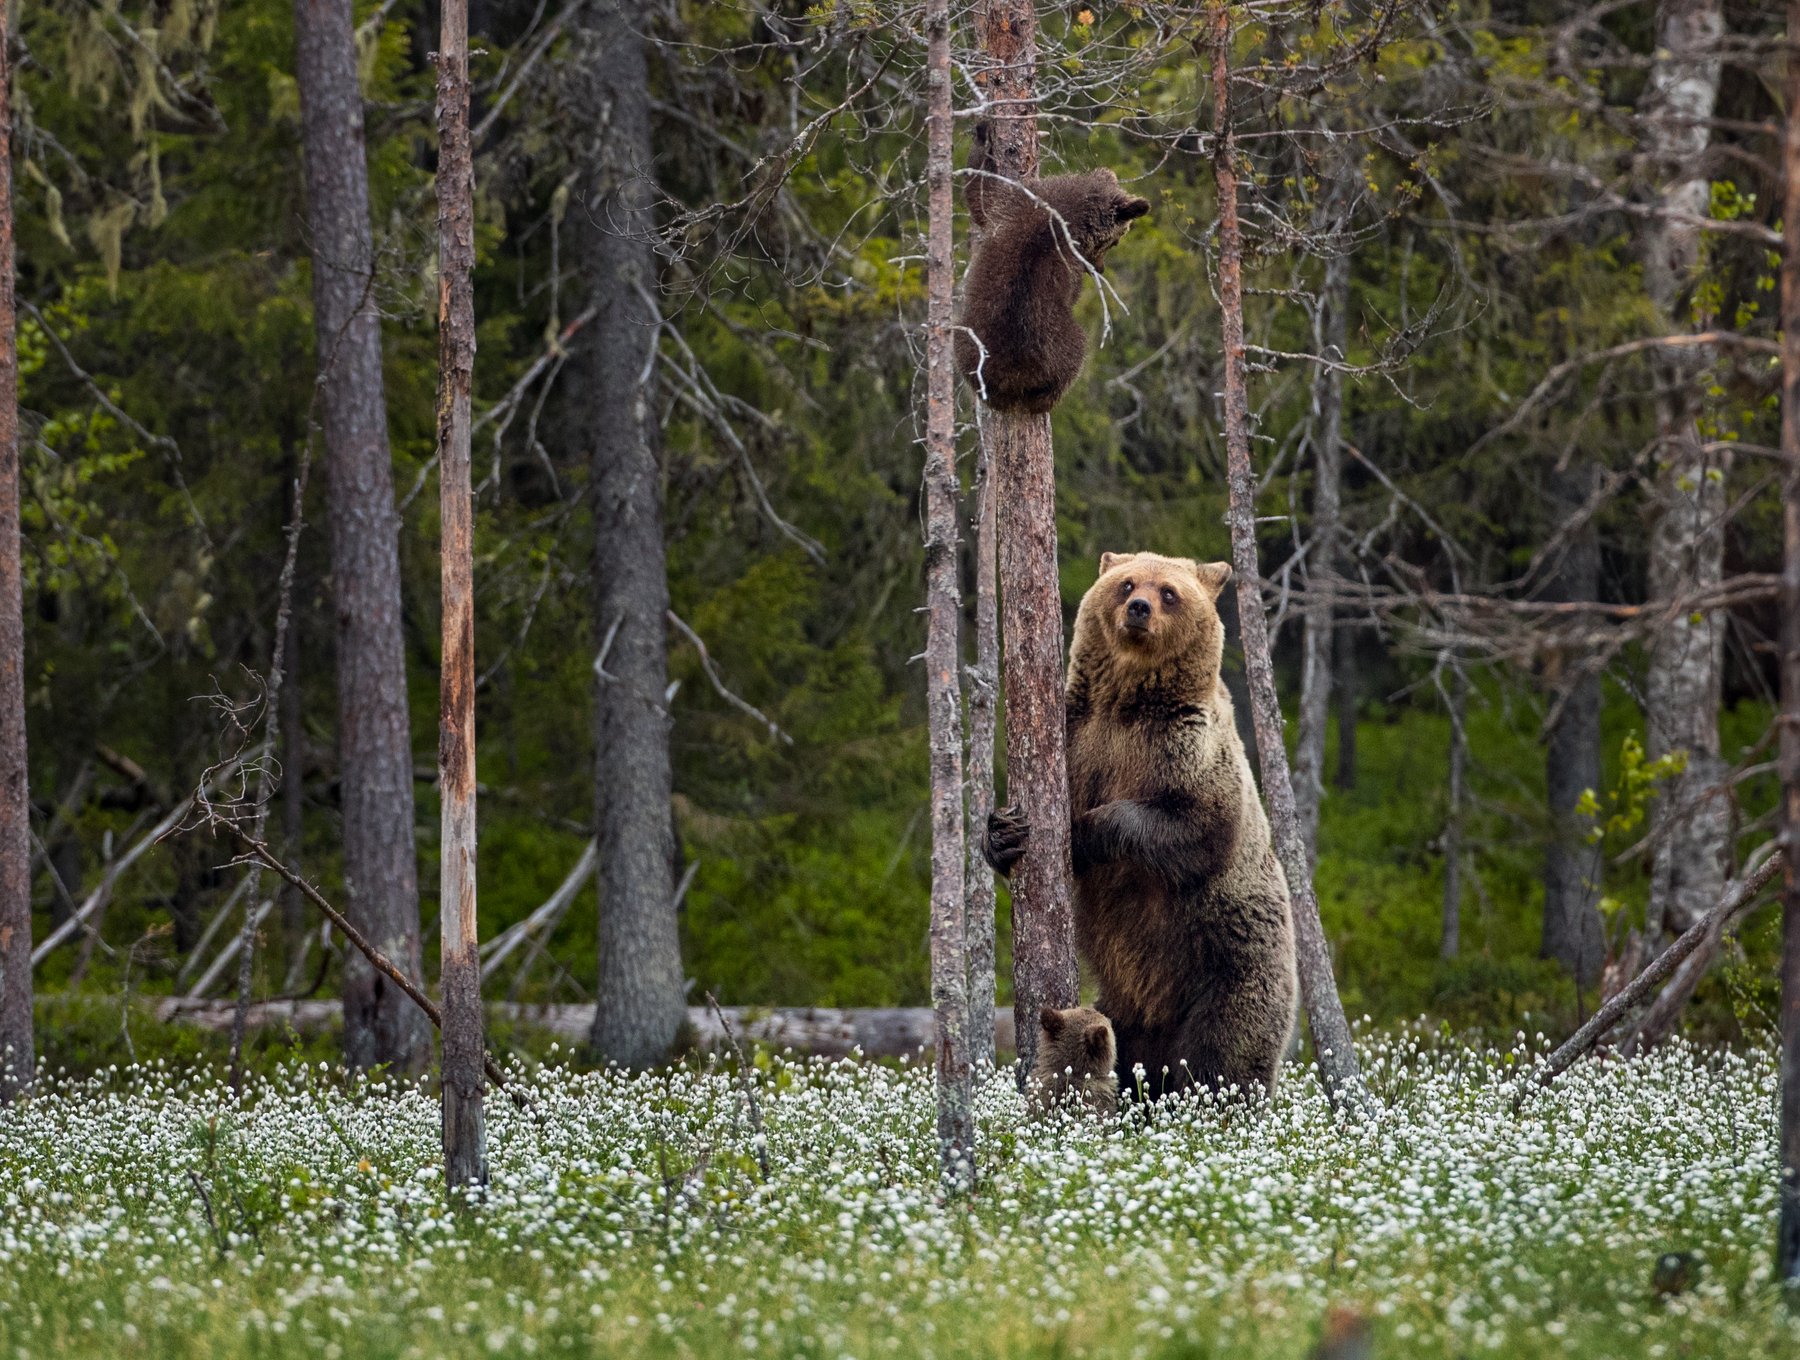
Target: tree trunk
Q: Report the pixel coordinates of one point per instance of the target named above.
(1788, 1228)
(1318, 988)
(1318, 627)
(641, 1000)
(984, 679)
(16, 1053)
(1691, 816)
(374, 742)
(1024, 466)
(943, 607)
(1450, 940)
(293, 797)
(465, 1138)
(1348, 689)
(1573, 933)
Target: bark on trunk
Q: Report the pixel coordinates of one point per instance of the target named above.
(293, 794)
(1691, 816)
(1318, 988)
(1450, 940)
(641, 1002)
(1322, 549)
(984, 681)
(16, 1053)
(374, 742)
(1573, 934)
(465, 1138)
(943, 608)
(1788, 1227)
(1020, 453)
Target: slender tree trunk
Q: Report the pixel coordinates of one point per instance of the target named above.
(1348, 690)
(1450, 940)
(1692, 816)
(374, 742)
(1788, 1229)
(984, 680)
(293, 798)
(943, 608)
(1024, 467)
(641, 1000)
(1573, 934)
(1318, 988)
(465, 1136)
(1322, 550)
(16, 1053)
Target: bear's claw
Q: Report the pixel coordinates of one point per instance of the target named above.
(1004, 844)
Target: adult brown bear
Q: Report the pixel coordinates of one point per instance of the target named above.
(1180, 905)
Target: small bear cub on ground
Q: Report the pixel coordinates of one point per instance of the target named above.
(1075, 1053)
(1018, 343)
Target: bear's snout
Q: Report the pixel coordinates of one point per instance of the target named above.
(1137, 614)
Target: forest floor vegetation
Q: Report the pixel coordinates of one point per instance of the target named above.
(146, 1212)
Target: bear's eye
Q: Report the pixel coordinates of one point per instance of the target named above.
(1126, 589)
(1168, 597)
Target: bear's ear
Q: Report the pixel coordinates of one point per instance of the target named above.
(1052, 1021)
(1098, 1040)
(1213, 576)
(1130, 209)
(1110, 560)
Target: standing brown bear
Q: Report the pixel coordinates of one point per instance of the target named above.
(1180, 905)
(1018, 342)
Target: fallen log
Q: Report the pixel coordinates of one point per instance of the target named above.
(881, 1032)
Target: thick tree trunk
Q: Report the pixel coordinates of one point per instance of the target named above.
(1024, 467)
(465, 1137)
(1788, 1227)
(1318, 988)
(1691, 817)
(943, 607)
(984, 681)
(16, 1053)
(374, 742)
(1450, 938)
(1573, 933)
(1322, 547)
(641, 1001)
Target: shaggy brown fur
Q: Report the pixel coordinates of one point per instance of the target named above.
(1075, 1052)
(1018, 342)
(1180, 904)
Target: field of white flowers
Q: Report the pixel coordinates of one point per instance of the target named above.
(150, 1214)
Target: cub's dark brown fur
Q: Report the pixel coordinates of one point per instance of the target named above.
(1075, 1052)
(1018, 342)
(1180, 904)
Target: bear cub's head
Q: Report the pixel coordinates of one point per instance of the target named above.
(1153, 610)
(1099, 213)
(1076, 1051)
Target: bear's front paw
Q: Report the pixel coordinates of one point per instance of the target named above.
(1007, 833)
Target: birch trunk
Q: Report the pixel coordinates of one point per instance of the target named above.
(984, 679)
(1788, 1228)
(943, 607)
(1024, 467)
(1318, 988)
(465, 1138)
(612, 381)
(1691, 816)
(17, 1056)
(374, 741)
(1322, 550)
